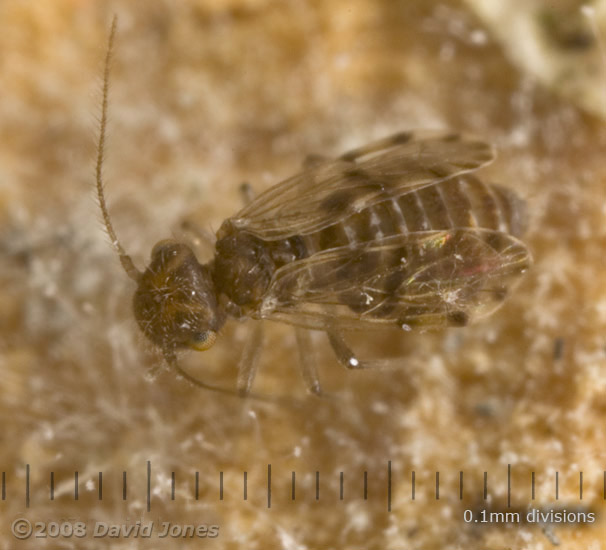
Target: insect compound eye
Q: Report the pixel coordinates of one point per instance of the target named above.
(203, 340)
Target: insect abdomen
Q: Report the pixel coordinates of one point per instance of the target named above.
(459, 202)
(414, 282)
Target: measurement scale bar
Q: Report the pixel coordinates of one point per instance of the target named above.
(393, 482)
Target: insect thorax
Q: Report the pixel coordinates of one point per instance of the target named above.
(245, 264)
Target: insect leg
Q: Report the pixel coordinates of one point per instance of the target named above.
(306, 360)
(247, 367)
(347, 357)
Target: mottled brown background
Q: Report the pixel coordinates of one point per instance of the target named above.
(206, 94)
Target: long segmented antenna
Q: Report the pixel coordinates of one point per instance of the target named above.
(125, 259)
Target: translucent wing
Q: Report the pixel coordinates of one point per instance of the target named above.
(335, 189)
(428, 279)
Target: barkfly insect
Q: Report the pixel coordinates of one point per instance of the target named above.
(398, 233)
